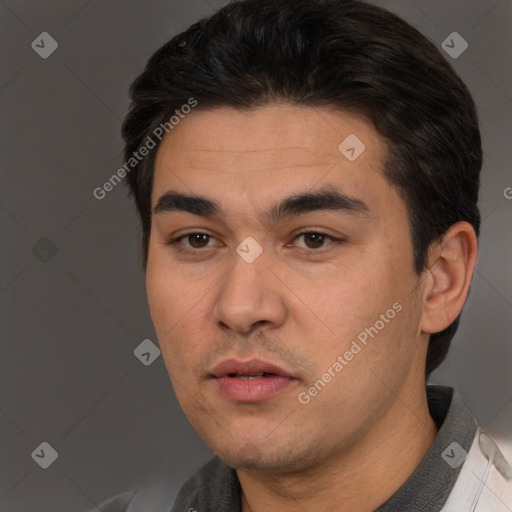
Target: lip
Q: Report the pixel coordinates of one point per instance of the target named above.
(257, 389)
(250, 367)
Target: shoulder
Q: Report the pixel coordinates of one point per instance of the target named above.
(117, 503)
(485, 481)
(213, 485)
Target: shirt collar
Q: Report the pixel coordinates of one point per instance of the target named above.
(428, 488)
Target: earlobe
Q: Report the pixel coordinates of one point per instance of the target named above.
(451, 265)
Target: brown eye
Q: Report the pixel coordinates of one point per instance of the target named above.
(194, 241)
(198, 240)
(315, 240)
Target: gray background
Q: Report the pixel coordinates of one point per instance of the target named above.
(71, 320)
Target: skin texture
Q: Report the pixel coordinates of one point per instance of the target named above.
(359, 439)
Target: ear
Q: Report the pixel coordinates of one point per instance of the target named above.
(450, 268)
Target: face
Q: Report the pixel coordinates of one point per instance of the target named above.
(280, 281)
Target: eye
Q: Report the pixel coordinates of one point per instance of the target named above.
(315, 239)
(195, 240)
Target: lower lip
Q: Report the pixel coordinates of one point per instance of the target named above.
(252, 390)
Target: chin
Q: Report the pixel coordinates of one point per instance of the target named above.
(264, 457)
(248, 456)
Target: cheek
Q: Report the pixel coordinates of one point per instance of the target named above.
(345, 301)
(166, 311)
(343, 313)
(162, 299)
(171, 296)
(178, 304)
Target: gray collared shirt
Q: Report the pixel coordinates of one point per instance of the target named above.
(215, 487)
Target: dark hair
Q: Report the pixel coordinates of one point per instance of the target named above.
(340, 54)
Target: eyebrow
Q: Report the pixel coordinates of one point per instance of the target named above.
(327, 198)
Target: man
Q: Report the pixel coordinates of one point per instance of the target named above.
(306, 173)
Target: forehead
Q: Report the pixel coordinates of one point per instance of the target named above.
(242, 158)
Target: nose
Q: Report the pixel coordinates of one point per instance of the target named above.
(249, 296)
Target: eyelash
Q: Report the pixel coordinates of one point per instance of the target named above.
(175, 241)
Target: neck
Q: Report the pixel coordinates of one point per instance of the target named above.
(361, 478)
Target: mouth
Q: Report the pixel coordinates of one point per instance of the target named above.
(250, 381)
(246, 369)
(249, 377)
